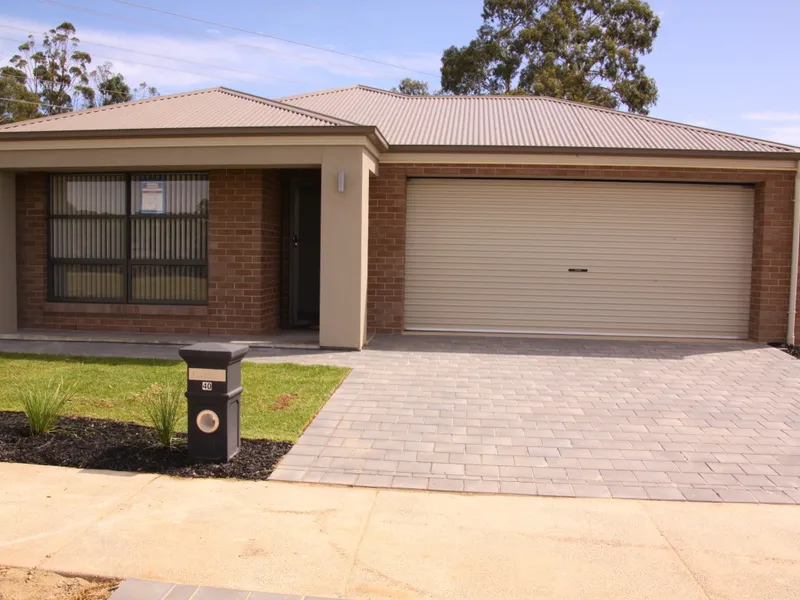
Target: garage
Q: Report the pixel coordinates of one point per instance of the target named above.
(578, 257)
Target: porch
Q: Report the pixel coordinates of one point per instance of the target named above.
(282, 261)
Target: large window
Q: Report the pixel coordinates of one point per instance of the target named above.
(140, 238)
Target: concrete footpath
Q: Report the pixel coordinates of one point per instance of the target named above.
(362, 543)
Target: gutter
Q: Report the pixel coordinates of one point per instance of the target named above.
(370, 131)
(795, 252)
(593, 151)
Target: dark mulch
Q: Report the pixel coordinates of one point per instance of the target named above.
(99, 444)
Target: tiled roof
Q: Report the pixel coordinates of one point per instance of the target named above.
(209, 108)
(528, 121)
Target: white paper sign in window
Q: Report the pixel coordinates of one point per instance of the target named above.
(153, 197)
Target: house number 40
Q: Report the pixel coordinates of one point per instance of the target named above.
(206, 386)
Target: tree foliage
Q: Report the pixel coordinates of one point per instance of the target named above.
(53, 76)
(412, 87)
(56, 70)
(142, 91)
(112, 88)
(17, 103)
(581, 50)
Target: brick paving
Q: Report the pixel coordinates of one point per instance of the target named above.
(704, 421)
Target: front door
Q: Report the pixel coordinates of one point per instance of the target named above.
(304, 253)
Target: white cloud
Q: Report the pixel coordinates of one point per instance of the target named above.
(782, 126)
(272, 66)
(787, 135)
(772, 116)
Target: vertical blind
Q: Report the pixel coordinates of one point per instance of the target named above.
(107, 246)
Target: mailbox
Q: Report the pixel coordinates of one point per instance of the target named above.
(213, 395)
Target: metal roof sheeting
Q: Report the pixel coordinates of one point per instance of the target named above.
(477, 121)
(526, 121)
(215, 107)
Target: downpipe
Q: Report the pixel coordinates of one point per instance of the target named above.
(790, 329)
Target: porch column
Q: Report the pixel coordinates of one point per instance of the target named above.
(343, 239)
(8, 253)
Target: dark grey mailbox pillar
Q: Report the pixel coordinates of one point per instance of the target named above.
(213, 394)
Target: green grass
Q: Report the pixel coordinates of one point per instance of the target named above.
(279, 400)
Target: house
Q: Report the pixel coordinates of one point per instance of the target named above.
(359, 210)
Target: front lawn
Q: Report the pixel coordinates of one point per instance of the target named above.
(279, 400)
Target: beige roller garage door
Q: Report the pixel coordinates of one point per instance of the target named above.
(578, 257)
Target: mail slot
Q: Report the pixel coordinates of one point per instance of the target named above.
(213, 396)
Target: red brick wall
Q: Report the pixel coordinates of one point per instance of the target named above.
(31, 248)
(387, 249)
(772, 254)
(771, 240)
(244, 254)
(245, 250)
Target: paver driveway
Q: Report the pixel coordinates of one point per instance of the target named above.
(704, 421)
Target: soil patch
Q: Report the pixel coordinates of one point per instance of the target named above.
(87, 443)
(32, 584)
(283, 402)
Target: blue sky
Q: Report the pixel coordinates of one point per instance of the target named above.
(722, 64)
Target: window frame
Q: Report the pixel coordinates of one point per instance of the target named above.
(127, 263)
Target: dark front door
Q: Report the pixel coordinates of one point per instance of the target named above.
(304, 253)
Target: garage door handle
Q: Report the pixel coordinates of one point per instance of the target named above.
(578, 270)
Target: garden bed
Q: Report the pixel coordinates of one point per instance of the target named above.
(278, 402)
(793, 350)
(88, 443)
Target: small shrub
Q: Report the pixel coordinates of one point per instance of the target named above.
(163, 407)
(43, 405)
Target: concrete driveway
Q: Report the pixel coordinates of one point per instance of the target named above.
(704, 421)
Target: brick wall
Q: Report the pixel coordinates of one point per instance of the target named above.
(772, 253)
(245, 216)
(31, 248)
(771, 239)
(243, 263)
(387, 250)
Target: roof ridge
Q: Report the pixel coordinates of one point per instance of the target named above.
(107, 107)
(287, 107)
(318, 92)
(355, 86)
(369, 88)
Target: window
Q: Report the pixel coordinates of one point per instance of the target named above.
(139, 238)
